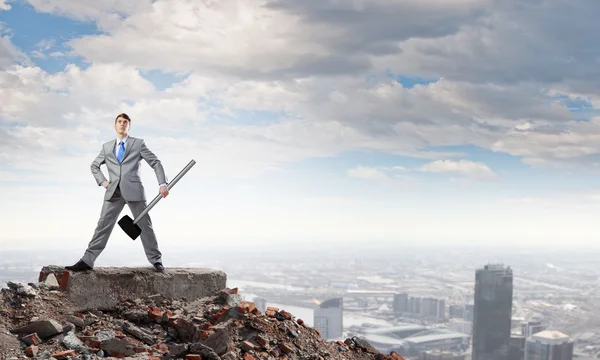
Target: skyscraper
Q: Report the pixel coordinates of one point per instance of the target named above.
(492, 313)
(328, 318)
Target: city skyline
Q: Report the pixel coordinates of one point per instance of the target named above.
(407, 302)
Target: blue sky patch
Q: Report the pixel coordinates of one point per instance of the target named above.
(34, 33)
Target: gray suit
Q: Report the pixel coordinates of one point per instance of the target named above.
(125, 187)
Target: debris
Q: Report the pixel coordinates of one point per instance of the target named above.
(218, 327)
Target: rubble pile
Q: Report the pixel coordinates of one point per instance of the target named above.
(37, 321)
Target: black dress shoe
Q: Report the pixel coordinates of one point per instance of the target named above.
(158, 267)
(80, 266)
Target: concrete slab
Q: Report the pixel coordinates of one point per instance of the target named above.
(104, 287)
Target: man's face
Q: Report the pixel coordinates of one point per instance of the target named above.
(122, 125)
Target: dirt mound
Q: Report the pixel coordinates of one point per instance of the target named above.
(36, 320)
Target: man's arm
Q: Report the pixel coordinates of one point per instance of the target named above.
(98, 175)
(154, 163)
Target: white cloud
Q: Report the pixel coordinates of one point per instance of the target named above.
(369, 173)
(467, 168)
(4, 5)
(106, 13)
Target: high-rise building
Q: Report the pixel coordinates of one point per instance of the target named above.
(492, 312)
(429, 307)
(441, 310)
(469, 308)
(549, 345)
(328, 318)
(400, 304)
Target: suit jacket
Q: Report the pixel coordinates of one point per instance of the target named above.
(126, 174)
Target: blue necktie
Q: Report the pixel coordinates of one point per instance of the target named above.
(121, 151)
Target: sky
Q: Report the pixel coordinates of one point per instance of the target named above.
(438, 121)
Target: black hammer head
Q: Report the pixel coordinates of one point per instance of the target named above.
(131, 229)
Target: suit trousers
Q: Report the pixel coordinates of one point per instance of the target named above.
(111, 209)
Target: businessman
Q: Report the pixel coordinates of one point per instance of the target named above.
(122, 158)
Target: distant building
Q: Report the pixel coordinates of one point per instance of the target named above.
(469, 309)
(400, 304)
(435, 339)
(492, 312)
(516, 350)
(429, 307)
(260, 303)
(442, 355)
(532, 327)
(441, 310)
(328, 318)
(549, 345)
(456, 311)
(461, 326)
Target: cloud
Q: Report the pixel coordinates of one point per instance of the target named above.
(393, 176)
(4, 5)
(513, 42)
(106, 13)
(313, 114)
(369, 173)
(296, 40)
(470, 169)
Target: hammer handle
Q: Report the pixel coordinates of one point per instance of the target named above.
(169, 186)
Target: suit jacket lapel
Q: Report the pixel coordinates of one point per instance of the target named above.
(111, 149)
(130, 142)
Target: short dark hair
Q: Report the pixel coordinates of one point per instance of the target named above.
(123, 115)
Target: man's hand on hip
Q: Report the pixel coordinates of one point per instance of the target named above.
(105, 184)
(164, 191)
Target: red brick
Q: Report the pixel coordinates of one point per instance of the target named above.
(285, 314)
(285, 348)
(155, 314)
(261, 340)
(206, 333)
(273, 308)
(32, 350)
(32, 338)
(246, 306)
(396, 356)
(300, 321)
(215, 318)
(248, 357)
(193, 357)
(64, 354)
(162, 347)
(247, 346)
(118, 355)
(270, 313)
(63, 280)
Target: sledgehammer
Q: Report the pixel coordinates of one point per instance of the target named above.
(130, 226)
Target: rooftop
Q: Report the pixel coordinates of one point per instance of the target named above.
(551, 337)
(435, 335)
